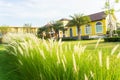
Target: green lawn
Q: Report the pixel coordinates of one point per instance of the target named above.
(6, 68)
(1, 47)
(7, 71)
(90, 45)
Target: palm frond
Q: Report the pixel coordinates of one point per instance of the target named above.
(78, 19)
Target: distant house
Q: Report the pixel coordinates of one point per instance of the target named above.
(9, 29)
(94, 29)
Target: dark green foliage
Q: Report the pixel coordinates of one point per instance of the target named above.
(115, 33)
(0, 37)
(41, 30)
(112, 39)
(53, 26)
(68, 39)
(0, 40)
(118, 32)
(75, 38)
(57, 26)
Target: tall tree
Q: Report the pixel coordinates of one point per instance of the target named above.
(57, 26)
(52, 29)
(78, 20)
(109, 10)
(42, 32)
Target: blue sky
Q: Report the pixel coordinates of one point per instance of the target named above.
(40, 12)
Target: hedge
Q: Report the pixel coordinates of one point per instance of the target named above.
(68, 39)
(0, 40)
(112, 39)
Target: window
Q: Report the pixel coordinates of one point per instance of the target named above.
(88, 29)
(98, 27)
(71, 33)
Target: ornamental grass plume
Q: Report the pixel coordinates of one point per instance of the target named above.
(100, 58)
(118, 56)
(38, 59)
(63, 62)
(97, 43)
(79, 49)
(92, 74)
(107, 63)
(74, 63)
(58, 57)
(64, 58)
(46, 45)
(42, 54)
(114, 49)
(86, 78)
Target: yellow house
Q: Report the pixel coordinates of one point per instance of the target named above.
(95, 29)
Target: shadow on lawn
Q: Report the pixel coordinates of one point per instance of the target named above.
(8, 71)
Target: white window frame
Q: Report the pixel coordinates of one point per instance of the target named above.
(96, 27)
(88, 25)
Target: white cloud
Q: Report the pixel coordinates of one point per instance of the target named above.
(46, 10)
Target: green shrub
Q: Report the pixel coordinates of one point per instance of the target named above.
(50, 60)
(112, 39)
(0, 37)
(118, 32)
(0, 40)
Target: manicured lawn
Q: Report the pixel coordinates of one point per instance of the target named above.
(8, 71)
(90, 45)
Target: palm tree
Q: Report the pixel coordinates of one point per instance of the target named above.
(40, 32)
(57, 26)
(78, 20)
(51, 29)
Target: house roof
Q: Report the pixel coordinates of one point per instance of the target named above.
(97, 16)
(64, 19)
(48, 25)
(93, 17)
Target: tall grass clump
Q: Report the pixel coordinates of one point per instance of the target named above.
(39, 59)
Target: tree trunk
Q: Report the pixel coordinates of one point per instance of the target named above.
(111, 26)
(79, 34)
(57, 35)
(63, 33)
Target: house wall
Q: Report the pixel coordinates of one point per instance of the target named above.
(13, 29)
(83, 32)
(65, 22)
